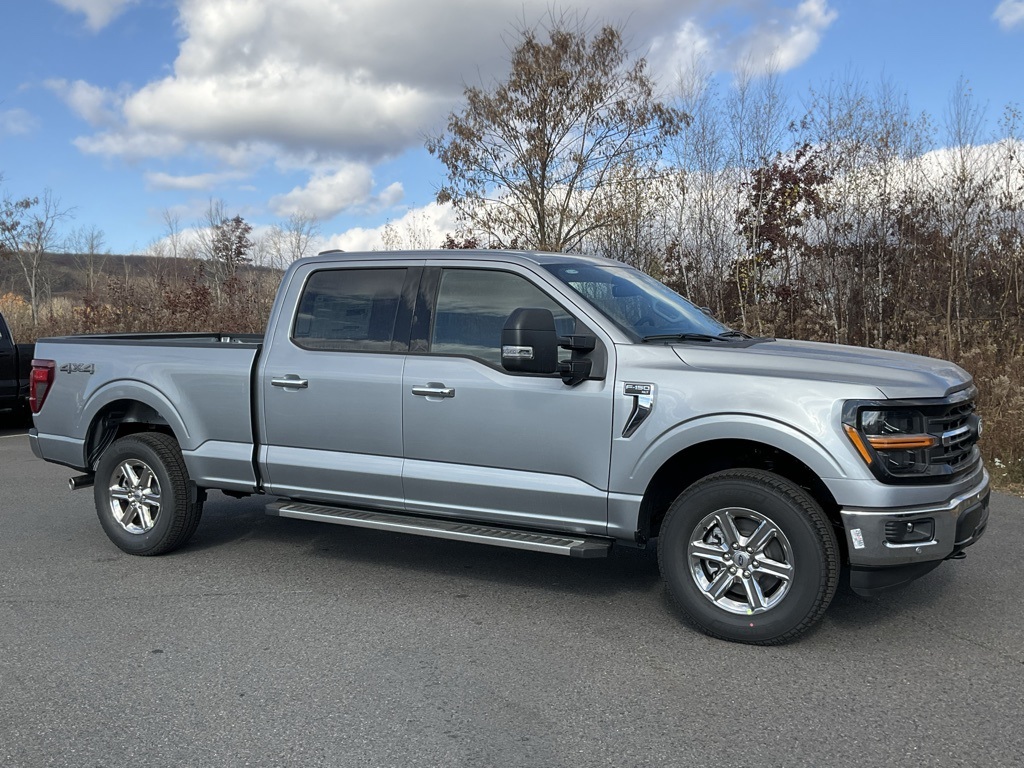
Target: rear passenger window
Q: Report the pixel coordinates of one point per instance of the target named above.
(473, 305)
(349, 310)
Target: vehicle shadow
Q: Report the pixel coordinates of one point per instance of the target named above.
(228, 521)
(629, 572)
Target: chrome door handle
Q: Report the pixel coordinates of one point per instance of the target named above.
(433, 389)
(291, 381)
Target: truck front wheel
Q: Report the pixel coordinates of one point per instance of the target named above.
(748, 556)
(142, 495)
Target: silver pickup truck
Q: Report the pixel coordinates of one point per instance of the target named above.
(554, 403)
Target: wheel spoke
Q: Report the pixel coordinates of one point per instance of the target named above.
(151, 499)
(120, 493)
(706, 551)
(774, 568)
(728, 527)
(722, 581)
(146, 478)
(130, 476)
(145, 517)
(760, 538)
(754, 594)
(127, 514)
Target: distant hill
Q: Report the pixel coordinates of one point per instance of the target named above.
(65, 272)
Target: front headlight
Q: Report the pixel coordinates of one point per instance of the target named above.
(893, 441)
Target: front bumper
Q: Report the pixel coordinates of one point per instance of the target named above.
(958, 523)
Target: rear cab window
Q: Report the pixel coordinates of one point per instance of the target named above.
(355, 310)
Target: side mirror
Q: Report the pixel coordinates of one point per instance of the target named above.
(529, 342)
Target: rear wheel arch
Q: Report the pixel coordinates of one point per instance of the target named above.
(121, 418)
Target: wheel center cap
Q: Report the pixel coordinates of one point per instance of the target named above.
(741, 559)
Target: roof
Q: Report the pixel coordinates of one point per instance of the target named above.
(483, 254)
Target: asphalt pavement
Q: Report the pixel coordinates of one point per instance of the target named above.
(276, 642)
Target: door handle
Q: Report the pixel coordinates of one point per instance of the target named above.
(433, 389)
(290, 381)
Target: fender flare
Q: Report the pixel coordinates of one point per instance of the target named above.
(734, 426)
(129, 389)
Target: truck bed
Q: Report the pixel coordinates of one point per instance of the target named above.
(201, 384)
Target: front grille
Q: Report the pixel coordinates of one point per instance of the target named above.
(955, 425)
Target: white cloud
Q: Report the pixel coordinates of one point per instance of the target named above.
(674, 56)
(95, 105)
(327, 194)
(201, 181)
(786, 42)
(130, 145)
(1009, 14)
(418, 228)
(16, 122)
(98, 13)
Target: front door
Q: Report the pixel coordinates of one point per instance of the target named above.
(485, 444)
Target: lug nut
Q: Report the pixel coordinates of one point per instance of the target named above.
(732, 569)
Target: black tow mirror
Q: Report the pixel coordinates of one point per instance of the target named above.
(529, 344)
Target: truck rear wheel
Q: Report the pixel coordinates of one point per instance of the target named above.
(142, 495)
(748, 556)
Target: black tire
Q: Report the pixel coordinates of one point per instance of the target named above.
(719, 584)
(142, 495)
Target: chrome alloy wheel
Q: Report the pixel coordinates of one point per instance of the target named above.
(134, 496)
(741, 560)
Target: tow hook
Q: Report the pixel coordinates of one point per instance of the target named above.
(82, 481)
(959, 555)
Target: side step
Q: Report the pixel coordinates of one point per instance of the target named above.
(571, 545)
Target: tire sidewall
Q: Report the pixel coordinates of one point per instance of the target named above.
(135, 543)
(810, 583)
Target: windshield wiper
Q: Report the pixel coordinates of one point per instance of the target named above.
(707, 337)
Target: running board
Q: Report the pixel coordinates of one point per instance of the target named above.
(571, 545)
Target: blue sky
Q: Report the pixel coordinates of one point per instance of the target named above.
(129, 108)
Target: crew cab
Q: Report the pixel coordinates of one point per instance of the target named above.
(15, 368)
(540, 401)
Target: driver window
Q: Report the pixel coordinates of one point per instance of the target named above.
(473, 305)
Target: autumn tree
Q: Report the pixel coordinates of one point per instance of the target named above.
(526, 156)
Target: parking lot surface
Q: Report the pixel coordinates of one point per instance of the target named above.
(275, 642)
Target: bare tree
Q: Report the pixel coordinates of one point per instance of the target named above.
(28, 231)
(292, 239)
(526, 156)
(86, 246)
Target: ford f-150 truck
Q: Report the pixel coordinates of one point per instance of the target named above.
(15, 364)
(541, 401)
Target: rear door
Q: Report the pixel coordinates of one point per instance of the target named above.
(485, 444)
(331, 385)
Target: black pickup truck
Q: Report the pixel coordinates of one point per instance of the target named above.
(15, 370)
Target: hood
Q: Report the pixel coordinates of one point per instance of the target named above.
(896, 374)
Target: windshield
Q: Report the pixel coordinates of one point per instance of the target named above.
(637, 303)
